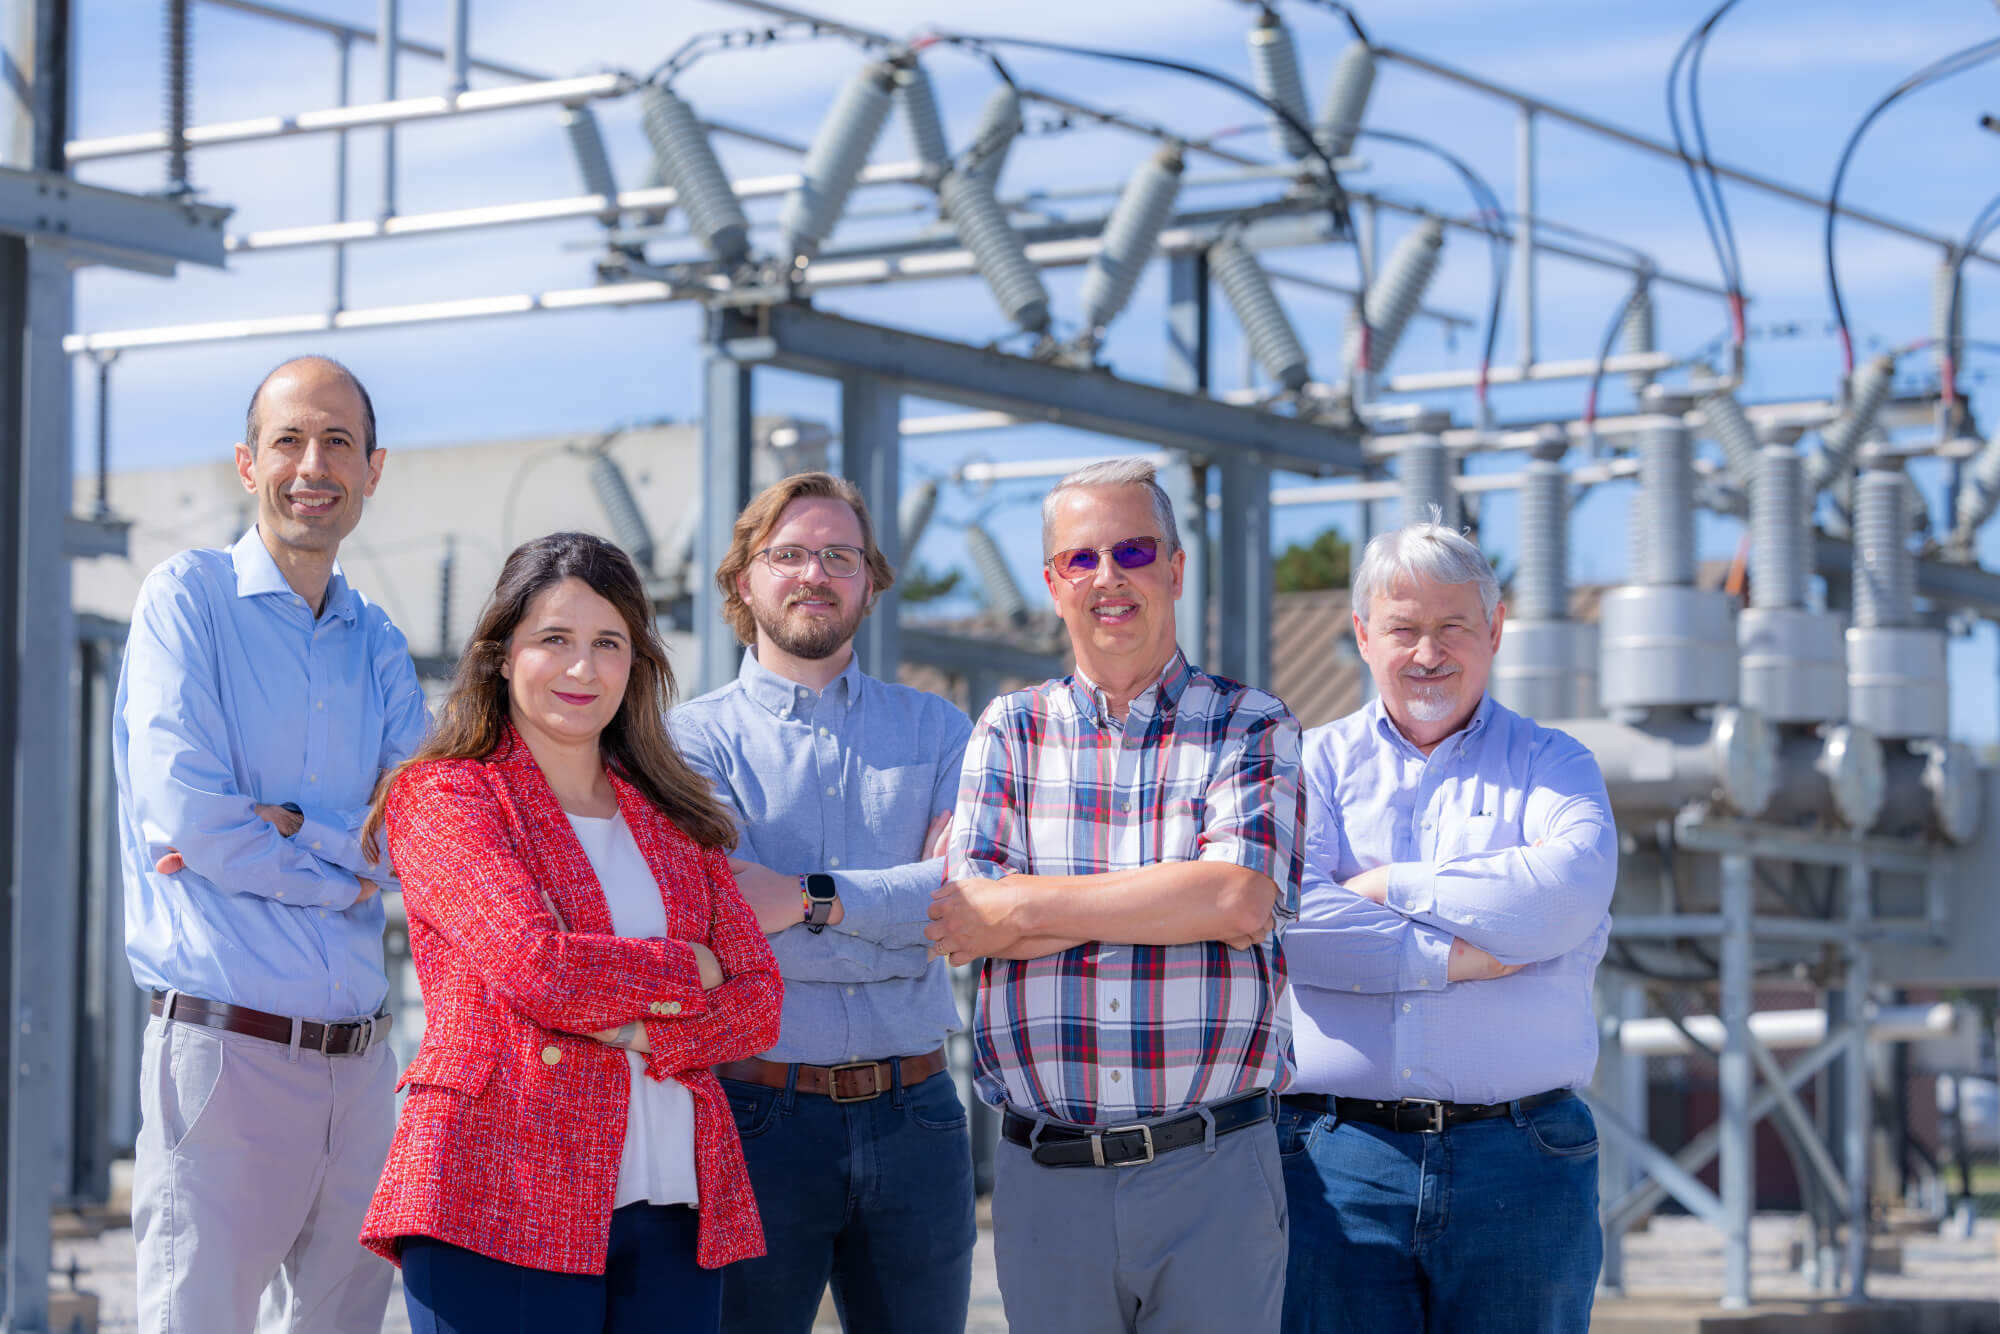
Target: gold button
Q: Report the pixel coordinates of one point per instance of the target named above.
(551, 1054)
(672, 1007)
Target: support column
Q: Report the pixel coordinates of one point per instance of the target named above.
(1738, 1167)
(1857, 1093)
(1243, 584)
(1187, 480)
(1524, 233)
(871, 457)
(389, 46)
(725, 489)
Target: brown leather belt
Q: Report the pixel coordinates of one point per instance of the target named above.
(856, 1081)
(348, 1038)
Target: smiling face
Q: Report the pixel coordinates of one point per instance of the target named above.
(310, 469)
(567, 664)
(1120, 621)
(812, 616)
(1430, 649)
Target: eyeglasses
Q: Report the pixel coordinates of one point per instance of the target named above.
(1081, 562)
(793, 562)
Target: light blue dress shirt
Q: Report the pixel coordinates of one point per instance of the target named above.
(1501, 837)
(843, 781)
(234, 694)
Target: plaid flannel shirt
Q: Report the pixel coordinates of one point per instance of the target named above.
(1200, 769)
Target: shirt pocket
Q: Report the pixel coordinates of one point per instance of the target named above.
(898, 797)
(1476, 834)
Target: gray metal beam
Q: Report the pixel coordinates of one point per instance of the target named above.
(799, 338)
(1972, 587)
(1188, 360)
(110, 225)
(964, 655)
(871, 457)
(1737, 1172)
(726, 443)
(1243, 573)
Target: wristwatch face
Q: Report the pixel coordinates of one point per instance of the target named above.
(819, 888)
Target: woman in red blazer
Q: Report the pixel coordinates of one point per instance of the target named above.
(585, 957)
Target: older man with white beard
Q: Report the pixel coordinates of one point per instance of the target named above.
(1441, 1173)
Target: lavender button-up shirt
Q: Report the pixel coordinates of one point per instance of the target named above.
(1501, 837)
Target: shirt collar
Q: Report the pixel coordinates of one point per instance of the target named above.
(1386, 727)
(257, 574)
(777, 693)
(1166, 690)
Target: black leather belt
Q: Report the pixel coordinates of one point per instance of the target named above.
(348, 1038)
(1415, 1116)
(1134, 1144)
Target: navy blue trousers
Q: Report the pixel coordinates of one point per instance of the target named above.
(650, 1285)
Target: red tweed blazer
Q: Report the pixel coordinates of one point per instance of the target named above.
(511, 1136)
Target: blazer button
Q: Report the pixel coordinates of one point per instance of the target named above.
(658, 1007)
(551, 1054)
(671, 1007)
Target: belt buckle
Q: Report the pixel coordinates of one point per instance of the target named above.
(833, 1081)
(1097, 1144)
(1435, 1113)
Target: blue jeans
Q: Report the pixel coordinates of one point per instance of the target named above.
(875, 1196)
(650, 1284)
(1489, 1226)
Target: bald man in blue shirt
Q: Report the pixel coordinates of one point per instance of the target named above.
(261, 698)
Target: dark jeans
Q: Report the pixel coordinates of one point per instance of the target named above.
(650, 1285)
(1489, 1226)
(875, 1196)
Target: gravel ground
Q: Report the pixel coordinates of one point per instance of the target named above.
(1677, 1257)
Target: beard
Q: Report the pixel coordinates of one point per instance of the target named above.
(1431, 699)
(808, 638)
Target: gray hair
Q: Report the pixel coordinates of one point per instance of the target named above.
(1113, 472)
(1423, 551)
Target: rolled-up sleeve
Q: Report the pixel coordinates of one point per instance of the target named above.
(1536, 901)
(1256, 805)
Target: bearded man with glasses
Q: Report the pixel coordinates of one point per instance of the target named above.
(841, 786)
(1122, 851)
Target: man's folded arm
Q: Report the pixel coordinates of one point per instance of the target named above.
(835, 956)
(334, 834)
(182, 787)
(1526, 904)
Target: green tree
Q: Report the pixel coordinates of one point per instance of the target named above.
(1321, 563)
(923, 584)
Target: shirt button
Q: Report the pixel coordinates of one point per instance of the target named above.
(850, 991)
(1406, 1072)
(1406, 1007)
(319, 704)
(336, 986)
(1114, 1007)
(784, 713)
(312, 778)
(552, 1055)
(315, 845)
(1124, 805)
(281, 893)
(1114, 1076)
(1423, 981)
(1357, 986)
(833, 861)
(833, 792)
(824, 732)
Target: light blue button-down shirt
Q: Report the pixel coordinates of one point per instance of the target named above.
(1501, 837)
(234, 694)
(843, 781)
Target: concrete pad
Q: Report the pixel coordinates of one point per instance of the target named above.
(1670, 1315)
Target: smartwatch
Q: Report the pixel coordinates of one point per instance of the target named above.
(820, 896)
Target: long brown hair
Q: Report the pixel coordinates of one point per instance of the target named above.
(472, 721)
(761, 515)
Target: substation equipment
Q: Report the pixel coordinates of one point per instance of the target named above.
(1788, 796)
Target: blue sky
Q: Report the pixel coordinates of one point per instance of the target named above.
(1784, 82)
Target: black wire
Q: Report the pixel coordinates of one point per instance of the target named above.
(1604, 351)
(1955, 63)
(1687, 160)
(1343, 221)
(1487, 204)
(1701, 141)
(1353, 19)
(1975, 236)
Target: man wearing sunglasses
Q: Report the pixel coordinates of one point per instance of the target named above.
(842, 786)
(1123, 846)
